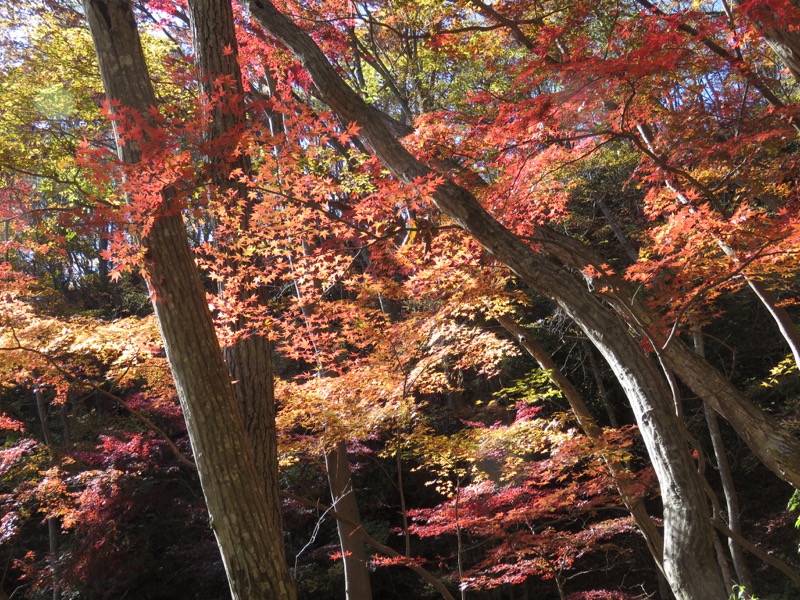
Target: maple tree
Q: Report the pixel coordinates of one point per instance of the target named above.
(370, 243)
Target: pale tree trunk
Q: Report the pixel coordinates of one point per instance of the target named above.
(779, 314)
(52, 522)
(689, 560)
(726, 477)
(351, 541)
(237, 505)
(250, 359)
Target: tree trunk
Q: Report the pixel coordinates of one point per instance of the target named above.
(249, 360)
(250, 366)
(689, 560)
(780, 33)
(726, 478)
(340, 481)
(601, 386)
(52, 522)
(239, 511)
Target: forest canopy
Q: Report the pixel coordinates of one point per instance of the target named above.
(478, 299)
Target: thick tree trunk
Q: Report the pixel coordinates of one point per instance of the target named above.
(250, 366)
(343, 493)
(240, 515)
(250, 359)
(689, 560)
(779, 32)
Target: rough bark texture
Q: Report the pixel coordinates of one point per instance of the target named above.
(340, 481)
(250, 366)
(250, 359)
(238, 508)
(780, 34)
(689, 561)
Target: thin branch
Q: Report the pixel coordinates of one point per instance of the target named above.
(97, 389)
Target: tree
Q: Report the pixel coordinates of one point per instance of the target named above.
(633, 167)
(240, 514)
(249, 356)
(688, 548)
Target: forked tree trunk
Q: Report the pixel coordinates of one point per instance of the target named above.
(726, 478)
(238, 507)
(689, 560)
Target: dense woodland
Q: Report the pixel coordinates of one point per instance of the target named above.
(487, 299)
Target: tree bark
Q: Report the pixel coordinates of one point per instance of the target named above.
(249, 360)
(781, 34)
(52, 522)
(689, 560)
(601, 386)
(340, 480)
(238, 508)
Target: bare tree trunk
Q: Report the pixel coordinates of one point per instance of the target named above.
(238, 507)
(774, 445)
(779, 314)
(726, 477)
(52, 522)
(601, 387)
(249, 360)
(340, 480)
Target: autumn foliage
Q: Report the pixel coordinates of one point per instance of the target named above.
(661, 139)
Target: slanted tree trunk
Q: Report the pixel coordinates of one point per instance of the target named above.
(779, 32)
(726, 478)
(689, 560)
(237, 505)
